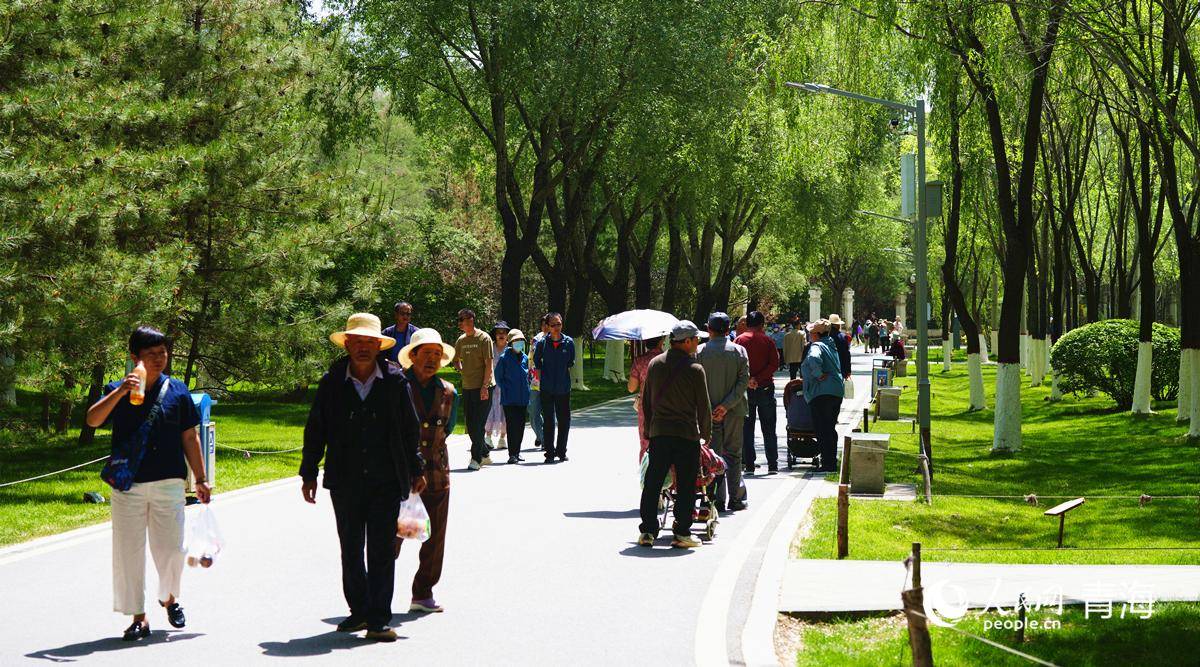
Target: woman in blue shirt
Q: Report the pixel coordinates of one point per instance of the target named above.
(512, 377)
(823, 390)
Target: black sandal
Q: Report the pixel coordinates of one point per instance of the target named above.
(137, 631)
(175, 615)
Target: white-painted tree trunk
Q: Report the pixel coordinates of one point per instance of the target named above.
(1025, 352)
(975, 379)
(946, 351)
(995, 336)
(577, 375)
(983, 348)
(1194, 430)
(1055, 393)
(1184, 399)
(1141, 380)
(1040, 353)
(1007, 436)
(614, 360)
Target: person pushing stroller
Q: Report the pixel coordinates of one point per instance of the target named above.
(677, 419)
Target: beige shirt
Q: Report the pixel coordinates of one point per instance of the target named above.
(475, 354)
(793, 347)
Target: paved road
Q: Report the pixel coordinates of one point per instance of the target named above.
(541, 567)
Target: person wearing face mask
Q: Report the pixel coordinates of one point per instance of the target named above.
(512, 377)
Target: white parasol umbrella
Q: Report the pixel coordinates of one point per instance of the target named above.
(635, 325)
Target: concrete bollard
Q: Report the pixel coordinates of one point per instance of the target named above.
(888, 400)
(867, 452)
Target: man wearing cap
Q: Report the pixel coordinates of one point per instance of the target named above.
(434, 400)
(363, 425)
(841, 342)
(677, 418)
(727, 370)
(473, 353)
(401, 331)
(823, 390)
(760, 396)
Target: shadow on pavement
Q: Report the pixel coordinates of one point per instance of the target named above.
(644, 552)
(603, 514)
(322, 644)
(71, 652)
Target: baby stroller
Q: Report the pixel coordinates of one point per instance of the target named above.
(705, 512)
(801, 434)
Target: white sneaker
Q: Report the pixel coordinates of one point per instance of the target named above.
(487, 461)
(473, 465)
(503, 443)
(487, 437)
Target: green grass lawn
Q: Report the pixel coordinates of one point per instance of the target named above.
(1078, 447)
(1171, 636)
(249, 420)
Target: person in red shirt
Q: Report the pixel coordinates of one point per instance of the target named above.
(760, 396)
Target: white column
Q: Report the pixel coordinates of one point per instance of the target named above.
(848, 307)
(814, 304)
(902, 309)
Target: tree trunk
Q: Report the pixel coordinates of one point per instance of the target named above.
(670, 292)
(87, 434)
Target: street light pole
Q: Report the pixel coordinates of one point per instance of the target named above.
(920, 247)
(921, 243)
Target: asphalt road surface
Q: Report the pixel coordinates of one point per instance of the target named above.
(541, 568)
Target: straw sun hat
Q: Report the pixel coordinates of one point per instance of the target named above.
(362, 324)
(424, 337)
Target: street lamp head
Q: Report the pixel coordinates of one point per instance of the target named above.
(807, 87)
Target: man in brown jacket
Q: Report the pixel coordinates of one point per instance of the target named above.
(677, 418)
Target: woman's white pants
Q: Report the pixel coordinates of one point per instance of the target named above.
(155, 508)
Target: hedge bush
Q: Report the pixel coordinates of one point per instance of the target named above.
(1102, 356)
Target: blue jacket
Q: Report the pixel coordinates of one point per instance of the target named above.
(512, 376)
(555, 364)
(822, 359)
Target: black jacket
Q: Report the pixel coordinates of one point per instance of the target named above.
(843, 348)
(326, 426)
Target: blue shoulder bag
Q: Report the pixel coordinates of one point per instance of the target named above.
(127, 455)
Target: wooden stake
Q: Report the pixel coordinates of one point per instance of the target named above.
(843, 521)
(844, 470)
(916, 565)
(1021, 619)
(928, 480)
(866, 423)
(918, 629)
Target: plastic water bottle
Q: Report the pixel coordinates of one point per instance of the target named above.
(138, 396)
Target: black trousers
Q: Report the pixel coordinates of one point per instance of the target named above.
(761, 404)
(476, 416)
(825, 411)
(556, 412)
(514, 424)
(366, 514)
(666, 451)
(794, 369)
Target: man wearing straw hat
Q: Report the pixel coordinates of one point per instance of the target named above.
(363, 425)
(434, 400)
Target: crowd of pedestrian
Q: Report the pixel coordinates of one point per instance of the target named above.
(381, 416)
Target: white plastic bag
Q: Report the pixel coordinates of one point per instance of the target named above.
(413, 523)
(204, 540)
(849, 389)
